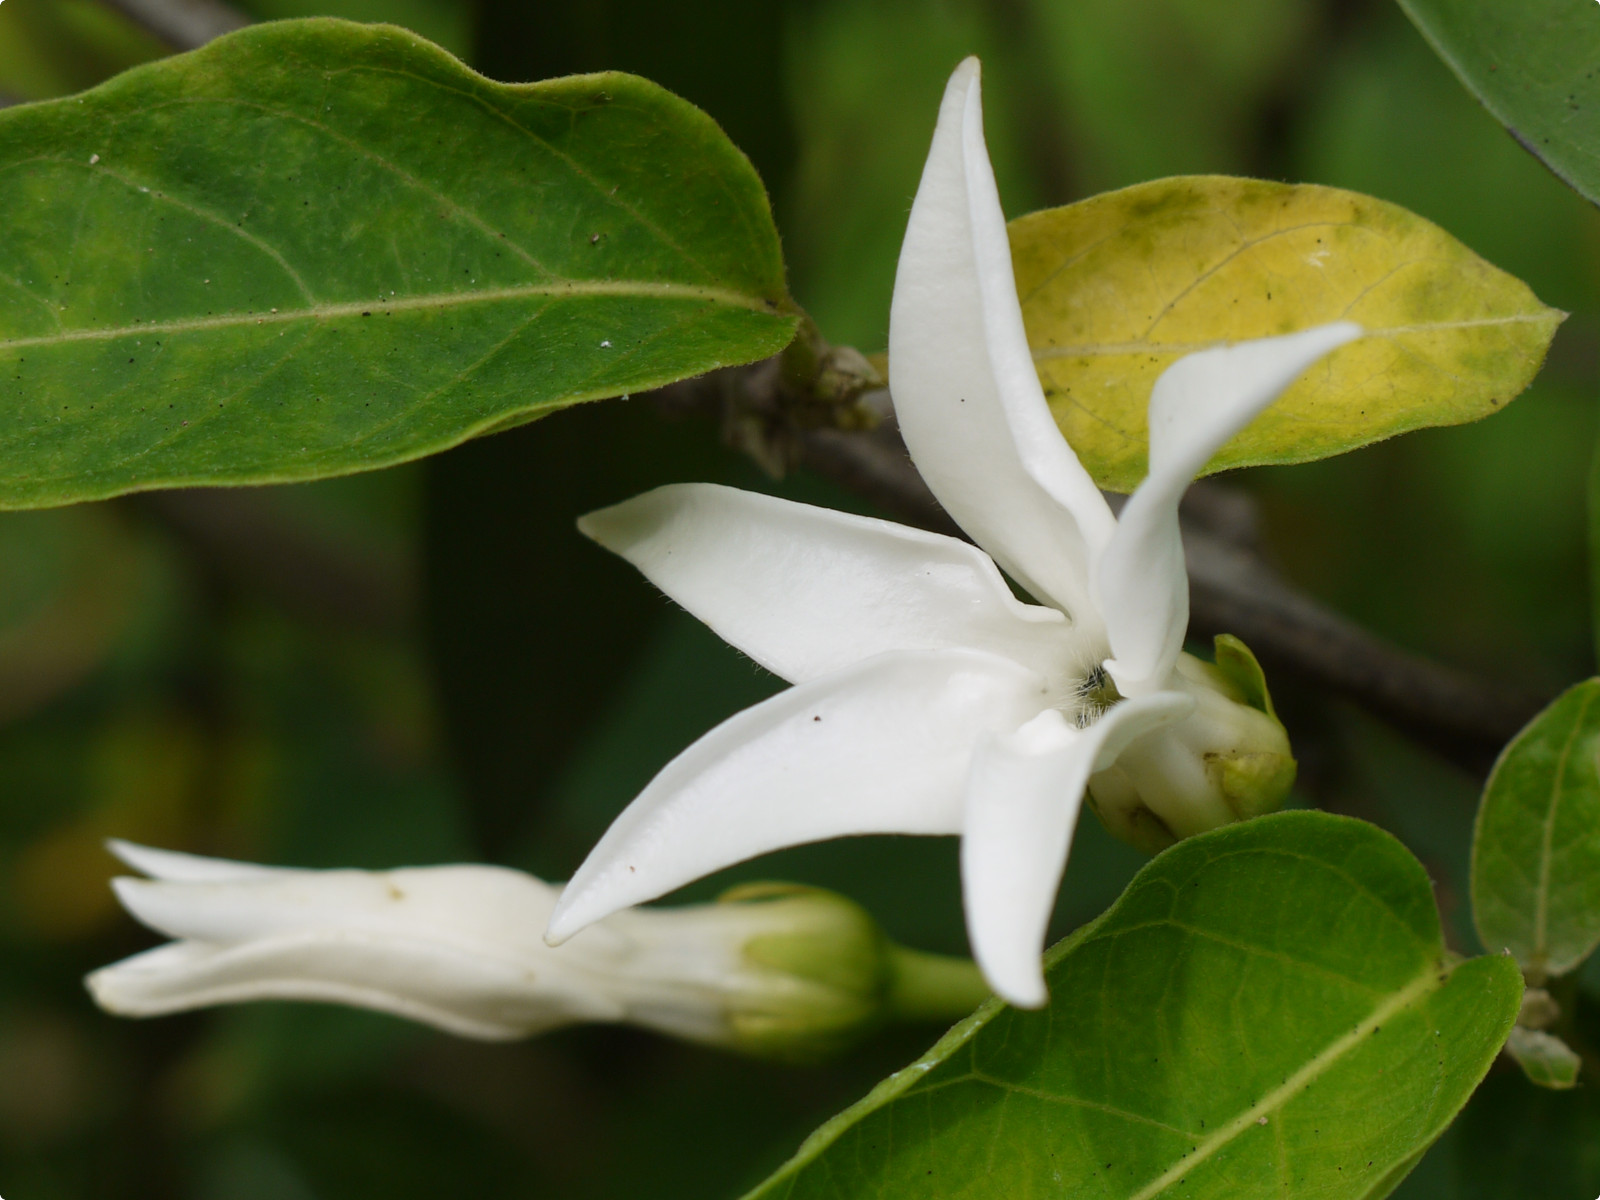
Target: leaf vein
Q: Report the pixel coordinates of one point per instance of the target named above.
(1279, 1097)
(634, 289)
(1112, 348)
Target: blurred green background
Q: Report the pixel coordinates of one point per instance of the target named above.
(429, 665)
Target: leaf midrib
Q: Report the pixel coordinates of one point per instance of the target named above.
(1540, 955)
(638, 289)
(1043, 354)
(1429, 981)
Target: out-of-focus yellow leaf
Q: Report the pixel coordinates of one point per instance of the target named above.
(1117, 287)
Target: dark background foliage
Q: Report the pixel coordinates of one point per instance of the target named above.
(429, 665)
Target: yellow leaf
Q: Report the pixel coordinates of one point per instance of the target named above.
(1117, 287)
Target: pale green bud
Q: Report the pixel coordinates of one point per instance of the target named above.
(1226, 761)
(820, 974)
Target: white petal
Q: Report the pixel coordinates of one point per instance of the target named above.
(450, 987)
(807, 591)
(492, 908)
(1199, 402)
(1022, 804)
(192, 868)
(965, 388)
(881, 747)
(456, 947)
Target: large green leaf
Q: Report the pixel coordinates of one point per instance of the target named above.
(1531, 63)
(1268, 1011)
(1536, 849)
(1117, 287)
(315, 247)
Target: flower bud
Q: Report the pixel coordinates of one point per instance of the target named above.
(772, 970)
(826, 975)
(818, 968)
(1225, 762)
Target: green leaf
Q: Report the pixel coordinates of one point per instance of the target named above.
(1544, 1058)
(1594, 545)
(1269, 1007)
(1117, 287)
(1531, 64)
(315, 247)
(1536, 846)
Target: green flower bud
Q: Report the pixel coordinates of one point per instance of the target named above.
(819, 974)
(1225, 762)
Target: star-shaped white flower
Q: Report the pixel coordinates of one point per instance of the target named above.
(926, 698)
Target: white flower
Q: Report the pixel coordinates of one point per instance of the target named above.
(773, 969)
(927, 699)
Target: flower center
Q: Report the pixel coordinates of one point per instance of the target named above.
(1094, 694)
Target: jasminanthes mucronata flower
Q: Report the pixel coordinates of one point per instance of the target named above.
(771, 969)
(926, 698)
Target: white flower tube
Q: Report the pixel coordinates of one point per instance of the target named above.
(785, 971)
(927, 699)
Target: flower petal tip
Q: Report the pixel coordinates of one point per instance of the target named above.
(101, 986)
(1023, 993)
(1334, 334)
(600, 527)
(132, 854)
(128, 890)
(154, 904)
(566, 921)
(174, 866)
(621, 527)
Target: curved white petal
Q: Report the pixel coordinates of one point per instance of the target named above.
(188, 868)
(456, 947)
(965, 389)
(807, 591)
(485, 906)
(432, 981)
(1199, 402)
(881, 747)
(1022, 804)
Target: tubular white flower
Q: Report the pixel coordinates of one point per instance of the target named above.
(927, 699)
(459, 948)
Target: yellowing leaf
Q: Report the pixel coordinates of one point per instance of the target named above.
(1117, 287)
